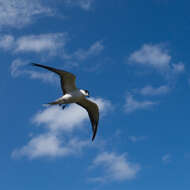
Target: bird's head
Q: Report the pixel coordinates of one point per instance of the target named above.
(85, 93)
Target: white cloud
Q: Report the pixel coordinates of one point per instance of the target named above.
(50, 145)
(151, 55)
(6, 42)
(116, 167)
(166, 158)
(55, 118)
(151, 91)
(41, 43)
(135, 139)
(17, 13)
(94, 49)
(84, 4)
(69, 119)
(50, 43)
(17, 70)
(53, 142)
(82, 54)
(178, 68)
(15, 67)
(132, 105)
(155, 56)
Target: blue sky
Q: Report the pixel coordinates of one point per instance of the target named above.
(133, 58)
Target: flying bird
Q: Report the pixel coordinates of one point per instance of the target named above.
(71, 94)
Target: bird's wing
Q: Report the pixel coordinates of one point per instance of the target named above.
(93, 113)
(67, 78)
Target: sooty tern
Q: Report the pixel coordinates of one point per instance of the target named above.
(71, 94)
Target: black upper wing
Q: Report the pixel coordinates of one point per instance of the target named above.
(93, 113)
(67, 78)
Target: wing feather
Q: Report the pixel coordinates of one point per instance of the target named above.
(93, 113)
(67, 78)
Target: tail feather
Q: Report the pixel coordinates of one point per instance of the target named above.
(50, 103)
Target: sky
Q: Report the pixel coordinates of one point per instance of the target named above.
(133, 57)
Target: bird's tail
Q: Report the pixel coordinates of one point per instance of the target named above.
(50, 104)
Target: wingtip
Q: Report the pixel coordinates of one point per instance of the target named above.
(93, 138)
(94, 134)
(33, 64)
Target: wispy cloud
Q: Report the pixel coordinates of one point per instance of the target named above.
(18, 68)
(41, 43)
(15, 67)
(135, 139)
(157, 57)
(50, 44)
(178, 68)
(151, 91)
(82, 54)
(115, 167)
(50, 145)
(18, 13)
(53, 142)
(94, 50)
(7, 42)
(151, 55)
(132, 105)
(69, 119)
(166, 158)
(83, 4)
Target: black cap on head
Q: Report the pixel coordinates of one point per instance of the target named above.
(87, 92)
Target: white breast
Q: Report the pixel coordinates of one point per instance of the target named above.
(72, 96)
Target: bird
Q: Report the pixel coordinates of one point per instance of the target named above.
(72, 94)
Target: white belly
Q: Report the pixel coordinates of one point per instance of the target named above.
(71, 97)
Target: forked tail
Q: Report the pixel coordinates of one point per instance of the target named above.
(50, 103)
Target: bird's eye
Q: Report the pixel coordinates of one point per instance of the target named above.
(87, 92)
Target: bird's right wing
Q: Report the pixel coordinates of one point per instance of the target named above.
(93, 113)
(67, 78)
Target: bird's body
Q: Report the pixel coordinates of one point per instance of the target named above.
(71, 94)
(71, 97)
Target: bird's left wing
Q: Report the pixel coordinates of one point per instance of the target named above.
(93, 113)
(67, 78)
